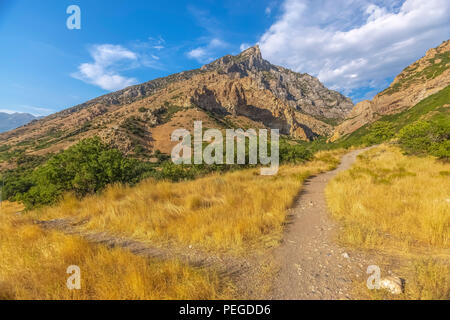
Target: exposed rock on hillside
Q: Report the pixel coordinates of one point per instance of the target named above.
(243, 90)
(302, 92)
(423, 78)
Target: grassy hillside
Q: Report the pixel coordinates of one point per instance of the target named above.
(434, 109)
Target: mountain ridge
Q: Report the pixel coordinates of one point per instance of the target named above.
(423, 78)
(132, 93)
(243, 90)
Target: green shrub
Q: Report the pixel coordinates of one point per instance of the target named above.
(294, 153)
(427, 137)
(379, 132)
(18, 180)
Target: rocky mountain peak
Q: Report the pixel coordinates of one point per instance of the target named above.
(243, 89)
(301, 92)
(248, 61)
(252, 53)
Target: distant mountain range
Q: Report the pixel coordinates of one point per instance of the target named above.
(9, 121)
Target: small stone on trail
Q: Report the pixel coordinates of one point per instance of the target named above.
(345, 255)
(394, 285)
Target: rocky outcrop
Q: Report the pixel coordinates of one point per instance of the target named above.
(423, 78)
(244, 97)
(301, 92)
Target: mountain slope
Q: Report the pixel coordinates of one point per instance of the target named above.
(435, 108)
(11, 121)
(234, 91)
(420, 80)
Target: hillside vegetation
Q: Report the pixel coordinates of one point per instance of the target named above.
(416, 73)
(235, 211)
(422, 129)
(91, 165)
(425, 77)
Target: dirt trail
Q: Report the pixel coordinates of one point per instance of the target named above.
(226, 265)
(312, 265)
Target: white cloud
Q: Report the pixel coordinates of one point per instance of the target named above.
(353, 44)
(205, 54)
(244, 46)
(271, 7)
(104, 70)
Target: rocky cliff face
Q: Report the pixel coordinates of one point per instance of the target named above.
(301, 92)
(423, 78)
(243, 90)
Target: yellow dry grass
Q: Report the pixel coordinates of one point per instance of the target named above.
(398, 206)
(8, 207)
(388, 199)
(34, 264)
(233, 211)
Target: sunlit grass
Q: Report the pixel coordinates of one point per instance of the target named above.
(235, 211)
(33, 265)
(398, 206)
(387, 198)
(7, 207)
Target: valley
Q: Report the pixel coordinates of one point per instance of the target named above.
(358, 186)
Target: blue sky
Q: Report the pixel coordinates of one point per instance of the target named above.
(355, 47)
